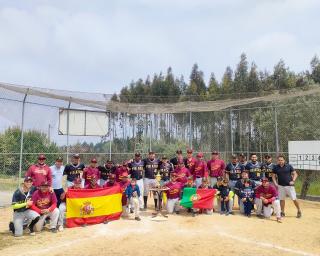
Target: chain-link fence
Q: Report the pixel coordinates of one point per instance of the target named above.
(29, 125)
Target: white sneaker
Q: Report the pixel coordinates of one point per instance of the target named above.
(60, 229)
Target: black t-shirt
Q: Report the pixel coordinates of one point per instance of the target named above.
(20, 197)
(105, 171)
(73, 171)
(174, 161)
(284, 174)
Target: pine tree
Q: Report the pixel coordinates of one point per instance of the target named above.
(213, 88)
(241, 74)
(315, 69)
(253, 84)
(227, 81)
(197, 86)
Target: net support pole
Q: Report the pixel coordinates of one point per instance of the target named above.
(22, 136)
(110, 132)
(190, 128)
(150, 139)
(276, 130)
(231, 131)
(68, 126)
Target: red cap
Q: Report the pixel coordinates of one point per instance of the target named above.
(174, 175)
(200, 154)
(94, 160)
(215, 152)
(42, 157)
(189, 151)
(125, 163)
(264, 179)
(125, 175)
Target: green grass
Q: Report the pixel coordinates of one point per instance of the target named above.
(314, 189)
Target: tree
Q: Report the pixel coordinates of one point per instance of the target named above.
(197, 86)
(315, 69)
(213, 88)
(281, 76)
(253, 83)
(227, 81)
(241, 74)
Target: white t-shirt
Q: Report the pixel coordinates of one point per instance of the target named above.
(57, 175)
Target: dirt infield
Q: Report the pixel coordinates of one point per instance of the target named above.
(179, 235)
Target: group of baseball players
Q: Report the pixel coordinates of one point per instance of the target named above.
(260, 187)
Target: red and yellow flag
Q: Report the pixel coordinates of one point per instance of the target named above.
(93, 206)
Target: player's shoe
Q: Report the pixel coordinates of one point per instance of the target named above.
(60, 228)
(53, 230)
(299, 214)
(137, 218)
(131, 210)
(177, 212)
(283, 214)
(260, 216)
(11, 227)
(227, 213)
(105, 222)
(279, 220)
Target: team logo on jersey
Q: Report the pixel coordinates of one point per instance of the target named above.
(195, 197)
(86, 208)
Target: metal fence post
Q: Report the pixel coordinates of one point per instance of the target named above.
(22, 136)
(190, 128)
(231, 131)
(68, 118)
(276, 130)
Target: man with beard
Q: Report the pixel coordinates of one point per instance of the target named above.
(267, 168)
(91, 171)
(105, 170)
(254, 169)
(136, 171)
(190, 161)
(165, 170)
(174, 160)
(200, 170)
(73, 170)
(151, 165)
(216, 168)
(40, 172)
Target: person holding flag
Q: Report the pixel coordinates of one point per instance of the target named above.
(200, 170)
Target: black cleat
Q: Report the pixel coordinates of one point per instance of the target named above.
(11, 227)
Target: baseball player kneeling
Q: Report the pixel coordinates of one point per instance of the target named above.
(267, 196)
(173, 194)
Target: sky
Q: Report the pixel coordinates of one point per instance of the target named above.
(101, 46)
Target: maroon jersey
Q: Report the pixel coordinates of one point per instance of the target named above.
(174, 190)
(39, 173)
(90, 172)
(269, 193)
(43, 201)
(200, 169)
(190, 163)
(182, 174)
(119, 172)
(216, 168)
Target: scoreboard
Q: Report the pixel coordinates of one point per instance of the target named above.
(304, 155)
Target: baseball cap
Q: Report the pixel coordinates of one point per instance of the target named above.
(109, 162)
(76, 156)
(59, 159)
(215, 152)
(125, 163)
(28, 178)
(189, 151)
(44, 184)
(94, 160)
(42, 157)
(164, 157)
(137, 154)
(77, 180)
(200, 154)
(151, 153)
(125, 175)
(267, 156)
(179, 151)
(174, 175)
(264, 180)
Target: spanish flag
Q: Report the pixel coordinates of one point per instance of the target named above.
(198, 198)
(93, 206)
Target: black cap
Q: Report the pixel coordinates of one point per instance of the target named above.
(137, 154)
(28, 178)
(179, 151)
(77, 156)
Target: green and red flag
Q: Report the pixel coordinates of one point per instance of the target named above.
(198, 198)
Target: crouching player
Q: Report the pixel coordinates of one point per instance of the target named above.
(173, 194)
(21, 203)
(267, 196)
(45, 204)
(63, 206)
(124, 183)
(247, 197)
(133, 194)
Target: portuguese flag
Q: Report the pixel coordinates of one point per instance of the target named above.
(93, 206)
(198, 198)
